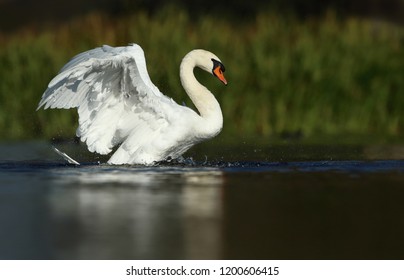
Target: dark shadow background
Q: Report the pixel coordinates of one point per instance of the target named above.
(17, 13)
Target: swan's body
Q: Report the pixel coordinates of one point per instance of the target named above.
(118, 104)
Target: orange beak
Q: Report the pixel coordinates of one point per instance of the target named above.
(219, 74)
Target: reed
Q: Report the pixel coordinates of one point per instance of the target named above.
(324, 76)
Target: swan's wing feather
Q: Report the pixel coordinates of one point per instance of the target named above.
(106, 63)
(113, 93)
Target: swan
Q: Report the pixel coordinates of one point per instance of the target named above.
(118, 105)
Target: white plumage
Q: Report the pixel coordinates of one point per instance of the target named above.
(118, 104)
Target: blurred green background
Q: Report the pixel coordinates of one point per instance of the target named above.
(301, 69)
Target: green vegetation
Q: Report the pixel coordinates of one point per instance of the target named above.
(323, 76)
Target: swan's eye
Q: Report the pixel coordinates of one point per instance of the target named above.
(222, 67)
(217, 64)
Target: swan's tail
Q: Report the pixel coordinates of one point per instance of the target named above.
(66, 157)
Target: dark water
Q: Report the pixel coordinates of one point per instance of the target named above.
(292, 202)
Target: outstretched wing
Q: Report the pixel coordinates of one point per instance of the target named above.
(113, 93)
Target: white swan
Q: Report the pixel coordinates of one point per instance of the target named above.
(118, 104)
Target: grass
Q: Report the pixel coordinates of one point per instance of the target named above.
(318, 76)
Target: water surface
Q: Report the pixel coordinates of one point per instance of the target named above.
(291, 202)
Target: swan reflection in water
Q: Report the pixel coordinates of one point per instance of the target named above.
(138, 213)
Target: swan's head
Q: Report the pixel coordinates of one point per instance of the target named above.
(207, 61)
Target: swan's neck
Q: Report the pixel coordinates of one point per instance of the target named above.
(206, 103)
